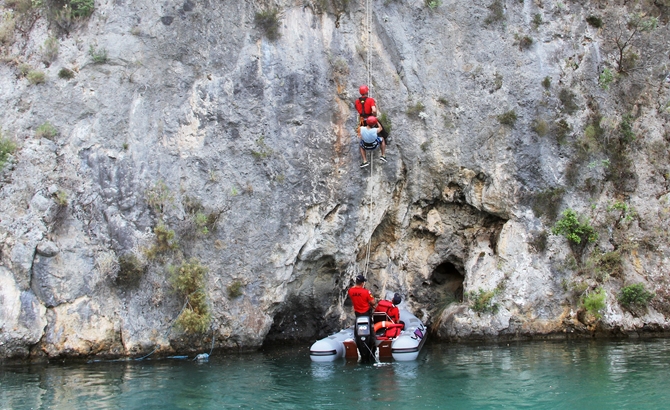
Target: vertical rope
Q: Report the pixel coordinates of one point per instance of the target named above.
(368, 24)
(368, 27)
(370, 187)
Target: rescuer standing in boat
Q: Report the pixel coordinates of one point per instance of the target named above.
(361, 298)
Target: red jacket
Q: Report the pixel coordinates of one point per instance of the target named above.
(369, 103)
(391, 310)
(361, 298)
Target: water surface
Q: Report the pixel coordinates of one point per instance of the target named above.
(537, 375)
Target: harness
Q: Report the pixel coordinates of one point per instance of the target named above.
(370, 145)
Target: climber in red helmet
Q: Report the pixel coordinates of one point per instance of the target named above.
(369, 139)
(367, 107)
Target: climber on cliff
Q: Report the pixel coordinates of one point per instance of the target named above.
(361, 298)
(369, 139)
(366, 107)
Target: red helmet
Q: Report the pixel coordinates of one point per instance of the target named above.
(371, 120)
(364, 89)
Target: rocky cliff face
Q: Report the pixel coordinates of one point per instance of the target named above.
(168, 139)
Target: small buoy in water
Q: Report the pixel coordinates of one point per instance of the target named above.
(202, 357)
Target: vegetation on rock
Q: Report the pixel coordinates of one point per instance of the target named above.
(187, 280)
(635, 296)
(573, 228)
(7, 147)
(594, 302)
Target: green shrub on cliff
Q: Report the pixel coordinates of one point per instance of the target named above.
(496, 12)
(36, 77)
(482, 301)
(235, 289)
(594, 21)
(7, 27)
(605, 78)
(7, 147)
(49, 50)
(571, 227)
(547, 202)
(46, 130)
(130, 270)
(98, 55)
(165, 241)
(433, 4)
(82, 8)
(567, 98)
(594, 302)
(159, 197)
(635, 296)
(268, 22)
(19, 6)
(386, 122)
(65, 73)
(188, 279)
(508, 118)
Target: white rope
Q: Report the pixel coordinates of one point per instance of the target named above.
(370, 187)
(368, 23)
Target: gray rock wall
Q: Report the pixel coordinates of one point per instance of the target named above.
(197, 114)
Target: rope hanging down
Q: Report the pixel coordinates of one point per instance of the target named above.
(368, 23)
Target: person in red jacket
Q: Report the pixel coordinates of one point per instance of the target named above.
(361, 298)
(367, 107)
(390, 307)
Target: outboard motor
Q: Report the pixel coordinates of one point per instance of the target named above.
(365, 339)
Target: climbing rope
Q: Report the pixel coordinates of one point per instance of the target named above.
(368, 24)
(370, 186)
(165, 333)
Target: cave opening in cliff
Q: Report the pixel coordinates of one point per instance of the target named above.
(306, 313)
(450, 279)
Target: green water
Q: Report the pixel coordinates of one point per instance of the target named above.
(534, 375)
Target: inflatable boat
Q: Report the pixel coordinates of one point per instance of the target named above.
(368, 339)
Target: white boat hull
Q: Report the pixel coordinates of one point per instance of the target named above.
(405, 347)
(332, 347)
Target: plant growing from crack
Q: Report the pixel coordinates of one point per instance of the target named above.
(594, 302)
(574, 228)
(188, 280)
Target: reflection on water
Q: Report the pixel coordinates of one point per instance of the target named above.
(564, 375)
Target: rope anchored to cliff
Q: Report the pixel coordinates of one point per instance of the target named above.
(368, 24)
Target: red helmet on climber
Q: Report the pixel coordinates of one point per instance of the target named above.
(364, 89)
(371, 121)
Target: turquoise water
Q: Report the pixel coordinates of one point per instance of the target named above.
(533, 375)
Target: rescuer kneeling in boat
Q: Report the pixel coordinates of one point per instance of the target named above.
(363, 302)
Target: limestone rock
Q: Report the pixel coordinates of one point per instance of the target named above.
(199, 138)
(23, 318)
